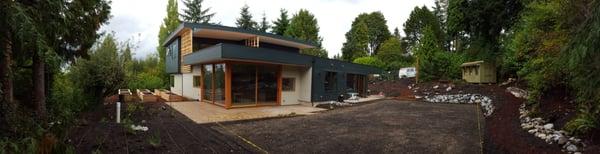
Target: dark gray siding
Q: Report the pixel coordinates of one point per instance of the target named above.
(172, 57)
(320, 68)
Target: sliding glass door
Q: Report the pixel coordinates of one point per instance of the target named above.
(213, 85)
(254, 84)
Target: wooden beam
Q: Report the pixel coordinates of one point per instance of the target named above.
(228, 99)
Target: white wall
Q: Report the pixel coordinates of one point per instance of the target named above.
(189, 90)
(177, 88)
(291, 97)
(304, 84)
(184, 84)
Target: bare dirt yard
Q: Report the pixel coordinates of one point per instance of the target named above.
(387, 126)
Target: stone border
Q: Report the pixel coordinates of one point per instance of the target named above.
(484, 101)
(545, 131)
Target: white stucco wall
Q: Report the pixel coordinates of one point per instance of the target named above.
(303, 83)
(184, 84)
(291, 97)
(177, 88)
(306, 81)
(189, 90)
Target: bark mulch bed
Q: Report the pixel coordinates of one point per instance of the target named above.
(98, 131)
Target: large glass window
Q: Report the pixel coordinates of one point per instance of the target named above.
(330, 81)
(219, 83)
(207, 72)
(254, 84)
(267, 84)
(243, 84)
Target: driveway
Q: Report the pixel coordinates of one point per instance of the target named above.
(386, 126)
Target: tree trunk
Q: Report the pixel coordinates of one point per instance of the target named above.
(38, 78)
(6, 85)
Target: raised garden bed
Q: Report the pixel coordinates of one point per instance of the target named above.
(147, 96)
(168, 96)
(127, 95)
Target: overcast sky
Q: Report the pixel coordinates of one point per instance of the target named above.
(139, 20)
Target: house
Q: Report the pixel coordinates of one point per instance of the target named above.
(234, 67)
(479, 72)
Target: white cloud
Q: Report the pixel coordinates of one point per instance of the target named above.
(140, 19)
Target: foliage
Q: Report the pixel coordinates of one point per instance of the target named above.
(154, 139)
(368, 32)
(194, 12)
(102, 74)
(371, 61)
(434, 63)
(245, 20)
(420, 18)
(66, 99)
(281, 24)
(477, 25)
(393, 54)
(357, 42)
(264, 25)
(587, 120)
(304, 26)
(169, 24)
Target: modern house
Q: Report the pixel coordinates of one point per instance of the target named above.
(234, 67)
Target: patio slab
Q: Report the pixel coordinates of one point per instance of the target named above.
(201, 112)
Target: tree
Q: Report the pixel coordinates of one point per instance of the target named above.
(378, 31)
(397, 34)
(414, 27)
(169, 24)
(264, 24)
(103, 73)
(63, 28)
(429, 67)
(393, 54)
(245, 20)
(194, 12)
(304, 26)
(281, 24)
(484, 22)
(357, 43)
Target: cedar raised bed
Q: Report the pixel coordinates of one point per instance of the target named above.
(168, 96)
(127, 95)
(147, 96)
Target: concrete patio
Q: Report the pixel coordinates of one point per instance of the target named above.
(201, 112)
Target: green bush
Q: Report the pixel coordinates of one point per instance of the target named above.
(371, 61)
(65, 99)
(145, 81)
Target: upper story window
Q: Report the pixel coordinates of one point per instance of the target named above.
(253, 42)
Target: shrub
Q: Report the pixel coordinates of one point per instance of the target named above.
(371, 61)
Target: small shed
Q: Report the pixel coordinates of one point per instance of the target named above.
(479, 72)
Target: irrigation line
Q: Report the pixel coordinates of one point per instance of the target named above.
(243, 139)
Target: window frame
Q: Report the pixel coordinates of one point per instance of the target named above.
(292, 81)
(196, 81)
(330, 86)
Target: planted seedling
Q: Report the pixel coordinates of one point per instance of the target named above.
(154, 140)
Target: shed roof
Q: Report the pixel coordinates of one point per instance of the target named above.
(474, 63)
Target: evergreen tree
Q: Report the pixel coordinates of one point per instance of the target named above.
(170, 23)
(397, 34)
(264, 24)
(392, 53)
(377, 32)
(245, 20)
(281, 24)
(304, 26)
(357, 43)
(194, 12)
(414, 27)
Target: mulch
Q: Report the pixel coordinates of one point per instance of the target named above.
(97, 131)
